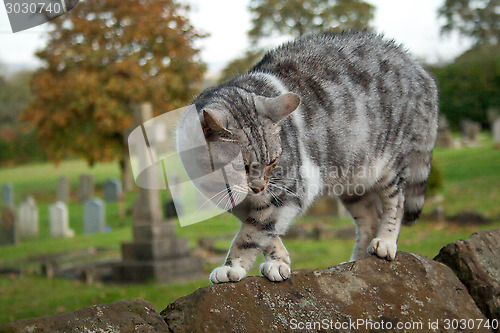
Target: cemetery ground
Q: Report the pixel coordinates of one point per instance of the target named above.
(471, 182)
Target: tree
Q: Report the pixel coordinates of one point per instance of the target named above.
(103, 57)
(478, 19)
(470, 86)
(14, 96)
(298, 17)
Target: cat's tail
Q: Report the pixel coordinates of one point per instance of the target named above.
(416, 184)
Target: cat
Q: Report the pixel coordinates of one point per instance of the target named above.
(346, 111)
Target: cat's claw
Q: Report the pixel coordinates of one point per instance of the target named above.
(227, 273)
(382, 248)
(275, 270)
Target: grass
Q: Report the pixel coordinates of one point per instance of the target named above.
(471, 179)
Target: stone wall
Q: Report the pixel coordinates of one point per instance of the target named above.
(462, 283)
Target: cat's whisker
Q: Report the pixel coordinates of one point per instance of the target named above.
(210, 199)
(276, 197)
(284, 188)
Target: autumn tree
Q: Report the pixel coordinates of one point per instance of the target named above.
(478, 19)
(299, 17)
(103, 57)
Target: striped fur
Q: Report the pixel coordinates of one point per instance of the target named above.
(366, 107)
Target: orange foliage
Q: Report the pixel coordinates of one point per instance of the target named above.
(103, 57)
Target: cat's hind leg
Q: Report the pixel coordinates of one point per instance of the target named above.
(277, 261)
(366, 214)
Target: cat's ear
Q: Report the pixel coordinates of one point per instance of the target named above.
(278, 108)
(213, 123)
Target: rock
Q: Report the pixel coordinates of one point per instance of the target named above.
(207, 243)
(122, 316)
(297, 231)
(476, 262)
(468, 218)
(346, 233)
(410, 289)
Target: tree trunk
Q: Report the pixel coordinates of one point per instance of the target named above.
(126, 172)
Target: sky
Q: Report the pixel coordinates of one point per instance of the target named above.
(412, 23)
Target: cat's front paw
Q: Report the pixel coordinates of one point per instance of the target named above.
(275, 270)
(227, 273)
(383, 248)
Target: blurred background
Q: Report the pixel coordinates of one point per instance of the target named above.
(72, 89)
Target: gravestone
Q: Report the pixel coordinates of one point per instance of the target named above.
(327, 206)
(496, 132)
(8, 194)
(470, 131)
(112, 190)
(28, 218)
(155, 253)
(93, 216)
(86, 188)
(62, 193)
(8, 232)
(59, 220)
(444, 135)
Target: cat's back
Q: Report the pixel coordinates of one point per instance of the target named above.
(367, 50)
(363, 96)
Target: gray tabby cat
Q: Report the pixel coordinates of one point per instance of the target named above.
(346, 111)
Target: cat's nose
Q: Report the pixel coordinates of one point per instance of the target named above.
(258, 186)
(257, 189)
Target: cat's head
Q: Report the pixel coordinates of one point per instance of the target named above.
(253, 128)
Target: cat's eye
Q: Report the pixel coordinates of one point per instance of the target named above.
(238, 166)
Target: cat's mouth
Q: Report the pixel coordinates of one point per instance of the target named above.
(258, 188)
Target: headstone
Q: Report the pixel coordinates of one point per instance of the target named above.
(59, 220)
(444, 135)
(496, 132)
(62, 193)
(146, 208)
(8, 234)
(169, 209)
(93, 216)
(493, 114)
(112, 190)
(86, 188)
(327, 206)
(28, 218)
(8, 194)
(155, 253)
(470, 131)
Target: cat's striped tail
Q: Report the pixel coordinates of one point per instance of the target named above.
(416, 184)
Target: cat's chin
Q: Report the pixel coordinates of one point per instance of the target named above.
(258, 198)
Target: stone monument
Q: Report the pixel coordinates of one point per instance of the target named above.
(155, 253)
(8, 194)
(59, 220)
(495, 128)
(444, 136)
(8, 225)
(94, 216)
(85, 187)
(62, 193)
(28, 218)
